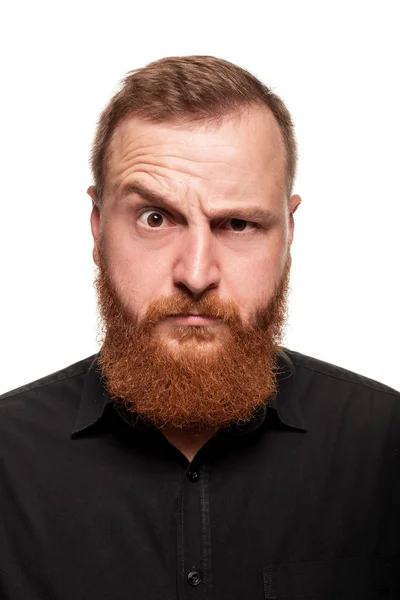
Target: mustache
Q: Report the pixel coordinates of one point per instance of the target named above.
(210, 306)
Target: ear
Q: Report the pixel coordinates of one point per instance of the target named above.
(95, 219)
(294, 203)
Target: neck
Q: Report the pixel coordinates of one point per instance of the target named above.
(188, 441)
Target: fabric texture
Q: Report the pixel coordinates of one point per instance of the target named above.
(303, 502)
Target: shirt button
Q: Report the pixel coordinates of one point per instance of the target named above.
(193, 474)
(194, 578)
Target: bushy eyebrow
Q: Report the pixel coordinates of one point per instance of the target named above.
(144, 192)
(250, 213)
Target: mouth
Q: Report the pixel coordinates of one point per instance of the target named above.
(192, 319)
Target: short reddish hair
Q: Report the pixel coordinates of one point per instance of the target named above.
(190, 89)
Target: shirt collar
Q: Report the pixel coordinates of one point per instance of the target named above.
(95, 399)
(285, 403)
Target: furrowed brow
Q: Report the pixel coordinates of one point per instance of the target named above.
(145, 193)
(250, 213)
(244, 213)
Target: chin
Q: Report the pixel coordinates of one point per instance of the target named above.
(192, 340)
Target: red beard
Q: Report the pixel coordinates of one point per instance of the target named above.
(209, 377)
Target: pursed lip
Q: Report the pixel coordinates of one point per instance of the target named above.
(192, 319)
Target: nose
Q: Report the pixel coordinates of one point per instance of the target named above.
(196, 269)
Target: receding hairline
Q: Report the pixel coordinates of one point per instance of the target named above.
(189, 89)
(214, 120)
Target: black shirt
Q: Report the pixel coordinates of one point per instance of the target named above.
(301, 503)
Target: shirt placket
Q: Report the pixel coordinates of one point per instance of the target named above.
(194, 535)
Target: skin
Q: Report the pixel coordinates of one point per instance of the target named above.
(208, 175)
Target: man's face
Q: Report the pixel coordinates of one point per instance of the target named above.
(225, 225)
(192, 244)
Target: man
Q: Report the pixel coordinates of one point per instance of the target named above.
(194, 457)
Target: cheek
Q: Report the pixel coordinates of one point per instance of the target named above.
(138, 274)
(251, 281)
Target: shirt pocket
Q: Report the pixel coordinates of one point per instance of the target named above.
(355, 578)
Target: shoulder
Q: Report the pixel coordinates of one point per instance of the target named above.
(60, 387)
(329, 395)
(321, 372)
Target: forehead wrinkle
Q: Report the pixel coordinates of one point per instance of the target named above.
(123, 138)
(131, 155)
(168, 154)
(218, 187)
(192, 147)
(179, 174)
(171, 187)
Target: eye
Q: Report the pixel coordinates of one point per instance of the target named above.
(153, 219)
(238, 225)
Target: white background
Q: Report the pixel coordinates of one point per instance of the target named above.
(335, 64)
